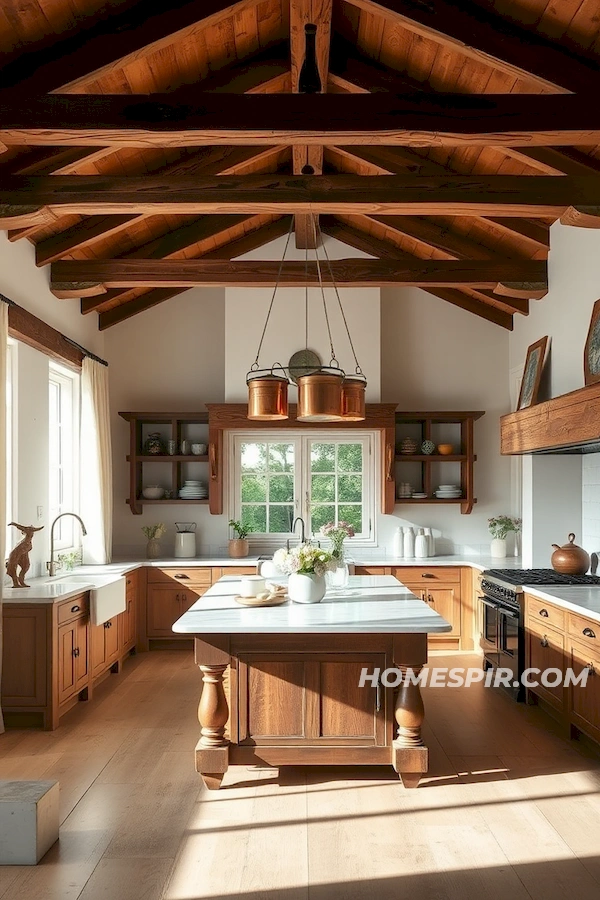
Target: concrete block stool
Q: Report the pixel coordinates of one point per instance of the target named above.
(28, 821)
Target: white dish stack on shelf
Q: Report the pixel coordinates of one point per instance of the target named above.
(193, 490)
(448, 492)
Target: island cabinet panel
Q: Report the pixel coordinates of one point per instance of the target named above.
(584, 701)
(309, 698)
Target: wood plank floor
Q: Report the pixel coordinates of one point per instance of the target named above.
(510, 810)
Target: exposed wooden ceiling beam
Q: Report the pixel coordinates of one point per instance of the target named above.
(436, 120)
(29, 200)
(117, 273)
(477, 33)
(304, 12)
(249, 242)
(209, 161)
(368, 244)
(113, 39)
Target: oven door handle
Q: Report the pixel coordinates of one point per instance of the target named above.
(508, 613)
(490, 604)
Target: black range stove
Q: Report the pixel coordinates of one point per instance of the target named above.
(502, 629)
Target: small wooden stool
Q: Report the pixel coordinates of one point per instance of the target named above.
(28, 821)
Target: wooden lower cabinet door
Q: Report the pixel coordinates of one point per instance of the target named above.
(301, 698)
(584, 701)
(111, 640)
(445, 599)
(26, 655)
(545, 649)
(163, 608)
(72, 659)
(128, 626)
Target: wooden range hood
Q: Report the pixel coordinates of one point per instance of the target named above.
(566, 424)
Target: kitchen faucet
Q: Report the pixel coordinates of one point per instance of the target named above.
(302, 530)
(51, 566)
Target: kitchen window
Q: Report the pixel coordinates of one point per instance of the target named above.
(321, 476)
(63, 453)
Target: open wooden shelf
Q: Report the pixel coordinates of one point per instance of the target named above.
(427, 422)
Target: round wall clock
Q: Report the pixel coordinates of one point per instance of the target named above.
(303, 362)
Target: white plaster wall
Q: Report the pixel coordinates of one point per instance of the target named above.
(435, 356)
(567, 501)
(170, 357)
(246, 311)
(27, 285)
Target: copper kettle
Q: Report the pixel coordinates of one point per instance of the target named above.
(570, 559)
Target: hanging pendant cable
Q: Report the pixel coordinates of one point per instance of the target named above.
(358, 369)
(333, 357)
(255, 365)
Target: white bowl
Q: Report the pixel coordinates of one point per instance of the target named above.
(153, 492)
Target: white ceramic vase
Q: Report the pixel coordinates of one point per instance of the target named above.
(498, 548)
(306, 588)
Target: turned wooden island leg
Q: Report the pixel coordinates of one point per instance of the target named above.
(410, 757)
(212, 750)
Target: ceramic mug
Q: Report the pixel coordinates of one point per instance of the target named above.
(251, 585)
(199, 449)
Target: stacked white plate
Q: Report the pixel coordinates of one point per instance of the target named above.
(448, 492)
(193, 490)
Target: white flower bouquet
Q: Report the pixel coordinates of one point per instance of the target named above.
(307, 559)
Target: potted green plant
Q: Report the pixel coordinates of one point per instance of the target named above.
(499, 527)
(239, 546)
(153, 534)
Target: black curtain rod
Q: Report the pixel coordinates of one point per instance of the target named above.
(83, 350)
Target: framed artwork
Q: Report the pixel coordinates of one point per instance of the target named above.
(532, 373)
(591, 356)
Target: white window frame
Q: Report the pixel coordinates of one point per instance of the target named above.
(66, 537)
(302, 441)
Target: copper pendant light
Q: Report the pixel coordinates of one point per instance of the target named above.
(267, 396)
(353, 398)
(320, 395)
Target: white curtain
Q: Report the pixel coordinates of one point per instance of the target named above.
(3, 356)
(96, 463)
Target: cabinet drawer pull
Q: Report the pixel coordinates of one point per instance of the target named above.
(75, 608)
(544, 613)
(427, 575)
(76, 651)
(544, 641)
(589, 633)
(591, 669)
(108, 624)
(182, 577)
(378, 697)
(430, 599)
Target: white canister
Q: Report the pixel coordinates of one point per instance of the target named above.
(185, 545)
(398, 544)
(430, 541)
(251, 585)
(421, 545)
(409, 543)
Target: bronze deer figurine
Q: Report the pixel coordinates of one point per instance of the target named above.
(19, 556)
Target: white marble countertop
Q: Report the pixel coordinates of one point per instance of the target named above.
(370, 604)
(578, 598)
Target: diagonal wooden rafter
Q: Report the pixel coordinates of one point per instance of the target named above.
(354, 74)
(358, 239)
(213, 161)
(116, 39)
(398, 160)
(31, 199)
(479, 34)
(249, 242)
(304, 12)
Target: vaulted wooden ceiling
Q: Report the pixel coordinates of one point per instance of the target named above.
(433, 149)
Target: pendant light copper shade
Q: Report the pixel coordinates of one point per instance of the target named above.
(353, 398)
(320, 396)
(267, 396)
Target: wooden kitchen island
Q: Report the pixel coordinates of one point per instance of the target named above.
(281, 684)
